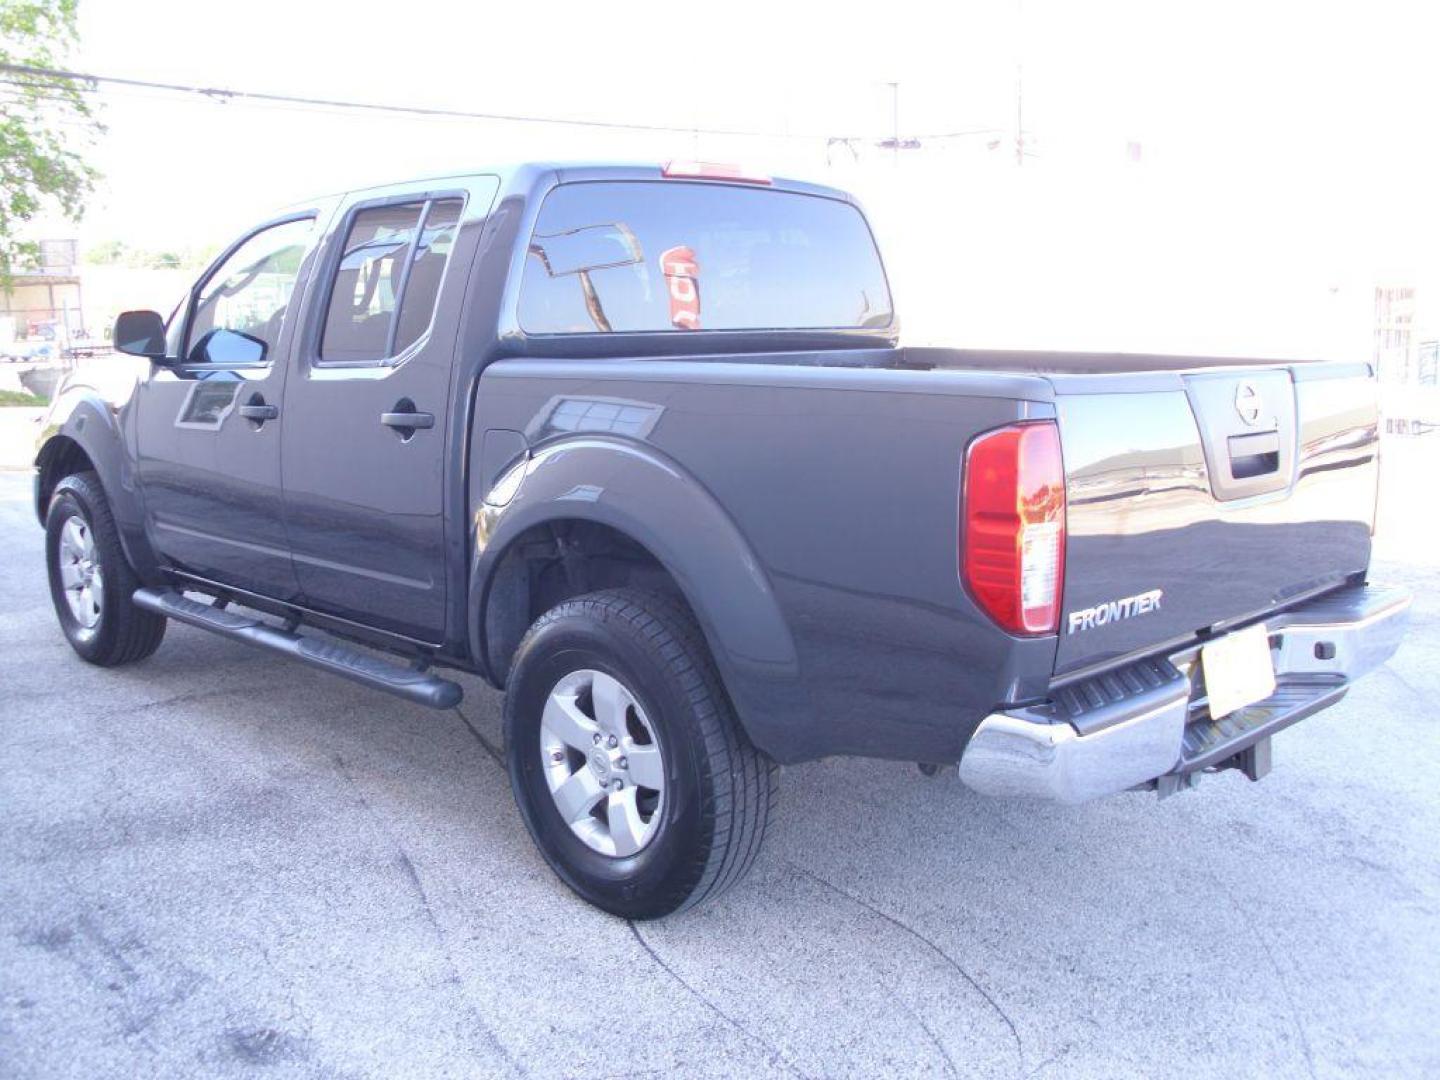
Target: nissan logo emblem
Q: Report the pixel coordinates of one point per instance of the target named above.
(1247, 402)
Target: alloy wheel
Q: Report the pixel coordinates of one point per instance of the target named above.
(80, 572)
(602, 762)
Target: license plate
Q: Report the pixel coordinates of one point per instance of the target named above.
(1238, 670)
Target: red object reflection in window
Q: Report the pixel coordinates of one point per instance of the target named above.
(682, 281)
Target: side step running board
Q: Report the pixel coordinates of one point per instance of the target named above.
(324, 653)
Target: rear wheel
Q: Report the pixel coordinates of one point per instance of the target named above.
(91, 583)
(633, 776)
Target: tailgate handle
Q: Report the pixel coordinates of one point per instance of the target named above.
(1254, 455)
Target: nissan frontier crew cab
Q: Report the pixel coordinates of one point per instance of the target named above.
(641, 447)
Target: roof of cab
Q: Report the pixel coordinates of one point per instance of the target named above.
(532, 174)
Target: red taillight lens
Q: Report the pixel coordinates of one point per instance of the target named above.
(1012, 526)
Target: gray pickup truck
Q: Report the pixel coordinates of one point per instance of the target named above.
(641, 447)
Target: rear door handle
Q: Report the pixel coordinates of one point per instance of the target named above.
(410, 420)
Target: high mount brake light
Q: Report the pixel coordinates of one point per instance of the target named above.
(709, 170)
(1012, 526)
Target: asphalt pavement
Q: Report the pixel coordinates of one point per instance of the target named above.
(218, 863)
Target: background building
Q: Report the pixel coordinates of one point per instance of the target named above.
(1407, 355)
(44, 299)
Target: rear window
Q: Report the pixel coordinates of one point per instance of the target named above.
(627, 257)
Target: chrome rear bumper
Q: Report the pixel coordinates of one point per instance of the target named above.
(1149, 720)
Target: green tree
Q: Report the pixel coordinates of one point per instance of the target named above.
(119, 253)
(107, 253)
(46, 123)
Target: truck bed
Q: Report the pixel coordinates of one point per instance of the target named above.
(1152, 502)
(1076, 363)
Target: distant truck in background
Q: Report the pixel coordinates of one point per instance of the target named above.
(29, 351)
(41, 342)
(47, 342)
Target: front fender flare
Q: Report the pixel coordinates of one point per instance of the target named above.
(648, 497)
(82, 416)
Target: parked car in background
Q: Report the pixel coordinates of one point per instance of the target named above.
(641, 447)
(29, 350)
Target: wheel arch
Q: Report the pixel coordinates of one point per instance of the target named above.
(59, 456)
(83, 432)
(605, 497)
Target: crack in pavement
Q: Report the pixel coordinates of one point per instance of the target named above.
(407, 869)
(1285, 992)
(496, 753)
(1406, 683)
(912, 932)
(184, 697)
(775, 1054)
(1051, 1060)
(950, 1068)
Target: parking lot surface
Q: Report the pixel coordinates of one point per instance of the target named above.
(218, 861)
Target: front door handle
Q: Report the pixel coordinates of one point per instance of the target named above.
(256, 410)
(408, 421)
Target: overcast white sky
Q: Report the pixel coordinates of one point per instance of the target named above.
(1291, 151)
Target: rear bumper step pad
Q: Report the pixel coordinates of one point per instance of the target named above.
(1208, 741)
(1146, 723)
(320, 652)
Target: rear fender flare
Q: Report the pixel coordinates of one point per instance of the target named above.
(648, 497)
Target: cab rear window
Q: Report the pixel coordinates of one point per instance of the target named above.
(643, 256)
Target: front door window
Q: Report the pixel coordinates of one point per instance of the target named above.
(241, 306)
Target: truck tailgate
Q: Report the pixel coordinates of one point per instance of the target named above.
(1197, 500)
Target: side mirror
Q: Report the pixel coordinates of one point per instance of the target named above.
(222, 346)
(140, 333)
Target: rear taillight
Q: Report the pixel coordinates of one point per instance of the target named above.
(1012, 526)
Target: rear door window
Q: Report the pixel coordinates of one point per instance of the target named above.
(386, 287)
(643, 256)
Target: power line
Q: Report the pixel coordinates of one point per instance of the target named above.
(960, 134)
(18, 77)
(220, 95)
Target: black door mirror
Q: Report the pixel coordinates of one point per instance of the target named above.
(140, 333)
(222, 346)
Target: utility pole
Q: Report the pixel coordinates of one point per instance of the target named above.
(1019, 114)
(895, 119)
(1020, 117)
(1019, 83)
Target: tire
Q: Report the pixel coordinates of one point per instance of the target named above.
(79, 520)
(708, 817)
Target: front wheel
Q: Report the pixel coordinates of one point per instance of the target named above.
(630, 769)
(91, 583)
